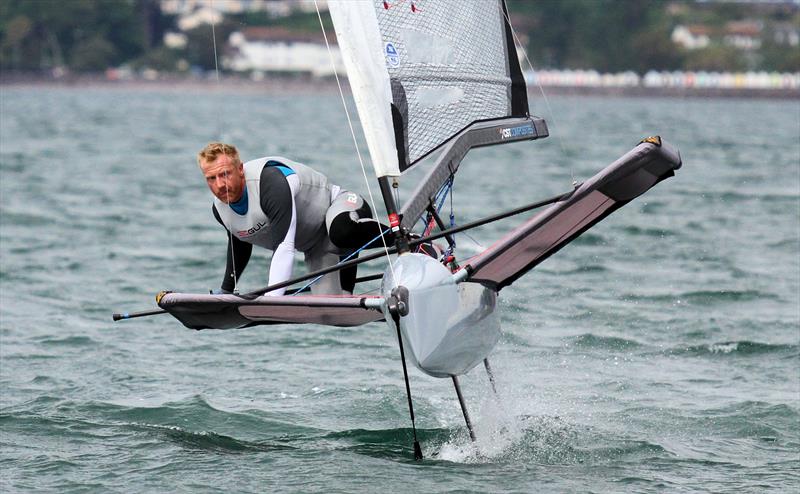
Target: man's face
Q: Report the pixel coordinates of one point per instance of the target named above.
(224, 178)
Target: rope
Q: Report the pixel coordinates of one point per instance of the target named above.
(353, 134)
(429, 221)
(440, 196)
(214, 38)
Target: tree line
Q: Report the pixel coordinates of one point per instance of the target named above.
(619, 35)
(37, 36)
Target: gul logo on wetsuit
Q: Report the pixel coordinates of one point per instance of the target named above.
(250, 231)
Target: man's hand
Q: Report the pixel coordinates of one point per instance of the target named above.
(219, 291)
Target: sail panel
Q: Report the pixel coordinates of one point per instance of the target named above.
(427, 69)
(450, 63)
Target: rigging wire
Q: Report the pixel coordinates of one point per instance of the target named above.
(219, 132)
(518, 44)
(353, 134)
(438, 201)
(214, 38)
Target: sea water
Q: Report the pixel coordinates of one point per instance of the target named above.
(658, 352)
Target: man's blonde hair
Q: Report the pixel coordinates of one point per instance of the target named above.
(213, 150)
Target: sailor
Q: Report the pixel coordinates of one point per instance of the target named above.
(285, 206)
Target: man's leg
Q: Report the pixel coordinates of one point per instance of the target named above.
(351, 226)
(319, 257)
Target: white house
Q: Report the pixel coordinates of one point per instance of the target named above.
(199, 17)
(744, 35)
(275, 8)
(275, 49)
(691, 37)
(785, 33)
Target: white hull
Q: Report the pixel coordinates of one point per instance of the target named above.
(450, 327)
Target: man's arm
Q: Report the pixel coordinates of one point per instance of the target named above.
(238, 256)
(277, 201)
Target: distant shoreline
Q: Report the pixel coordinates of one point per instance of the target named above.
(271, 85)
(306, 85)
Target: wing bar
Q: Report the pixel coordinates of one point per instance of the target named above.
(204, 311)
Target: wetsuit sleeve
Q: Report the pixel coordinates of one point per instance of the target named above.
(238, 256)
(280, 268)
(276, 202)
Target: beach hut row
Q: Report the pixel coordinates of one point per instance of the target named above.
(666, 79)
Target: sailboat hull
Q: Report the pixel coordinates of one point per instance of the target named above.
(450, 327)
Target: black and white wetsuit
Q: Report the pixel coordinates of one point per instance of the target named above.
(288, 207)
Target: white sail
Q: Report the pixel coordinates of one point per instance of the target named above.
(362, 51)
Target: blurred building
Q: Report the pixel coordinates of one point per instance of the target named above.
(786, 33)
(691, 37)
(274, 8)
(276, 49)
(199, 17)
(744, 35)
